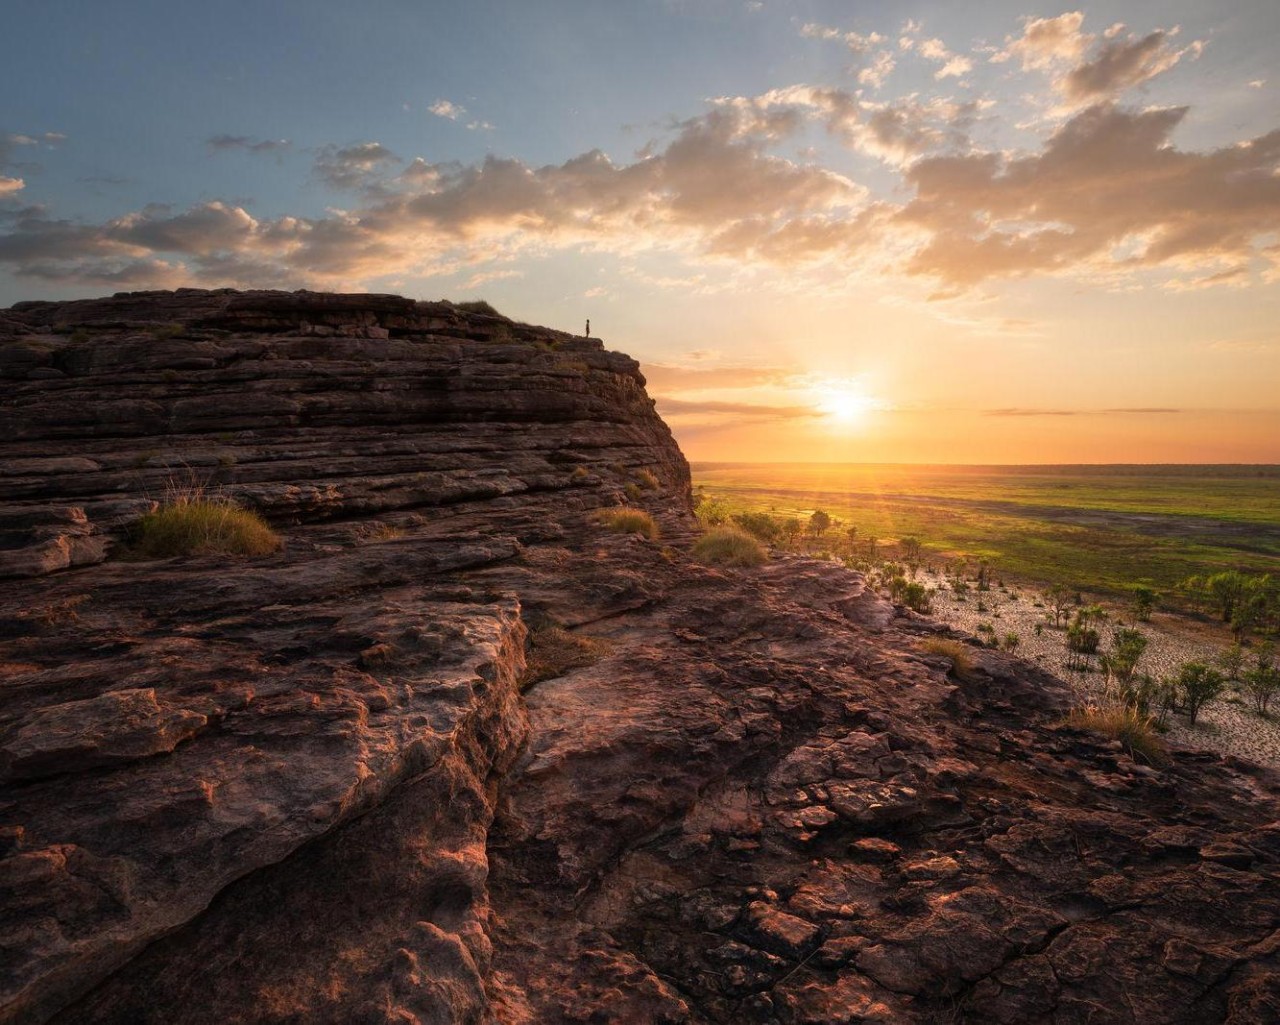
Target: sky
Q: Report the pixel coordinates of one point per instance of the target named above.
(829, 231)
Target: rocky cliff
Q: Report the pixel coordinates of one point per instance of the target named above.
(457, 753)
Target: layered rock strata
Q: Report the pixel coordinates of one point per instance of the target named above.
(347, 783)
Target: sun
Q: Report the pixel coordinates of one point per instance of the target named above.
(845, 403)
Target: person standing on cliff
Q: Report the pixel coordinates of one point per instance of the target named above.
(588, 331)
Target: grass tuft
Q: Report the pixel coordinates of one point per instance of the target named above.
(729, 546)
(202, 526)
(1135, 730)
(959, 653)
(554, 651)
(629, 521)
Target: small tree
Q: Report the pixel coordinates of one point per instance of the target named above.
(1197, 685)
(1225, 590)
(1011, 641)
(819, 522)
(1060, 600)
(1144, 602)
(1121, 662)
(911, 553)
(1261, 684)
(1231, 661)
(792, 528)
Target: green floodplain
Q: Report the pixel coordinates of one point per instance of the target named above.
(1100, 529)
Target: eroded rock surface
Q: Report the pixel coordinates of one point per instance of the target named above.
(310, 787)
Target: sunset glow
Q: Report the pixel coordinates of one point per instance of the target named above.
(1049, 234)
(846, 404)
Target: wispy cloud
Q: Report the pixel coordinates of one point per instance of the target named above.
(221, 143)
(353, 167)
(1130, 410)
(676, 407)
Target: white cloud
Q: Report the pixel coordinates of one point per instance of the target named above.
(880, 69)
(447, 109)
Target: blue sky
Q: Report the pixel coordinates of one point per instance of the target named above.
(787, 188)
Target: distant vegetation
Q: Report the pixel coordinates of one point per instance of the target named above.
(1062, 536)
(201, 526)
(1155, 536)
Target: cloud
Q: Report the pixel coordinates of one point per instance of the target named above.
(1139, 410)
(247, 143)
(953, 65)
(1084, 74)
(878, 70)
(1121, 64)
(447, 109)
(1046, 41)
(855, 41)
(1108, 193)
(678, 407)
(713, 192)
(353, 167)
(672, 378)
(897, 131)
(8, 186)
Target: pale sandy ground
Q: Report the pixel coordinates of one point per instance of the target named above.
(1229, 725)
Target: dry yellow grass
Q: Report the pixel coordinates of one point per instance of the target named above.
(554, 651)
(1126, 724)
(960, 653)
(629, 521)
(729, 546)
(202, 526)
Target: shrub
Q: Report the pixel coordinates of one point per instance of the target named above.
(478, 306)
(629, 521)
(1127, 649)
(957, 651)
(1125, 723)
(1261, 684)
(1231, 661)
(761, 526)
(633, 492)
(917, 597)
(711, 512)
(648, 479)
(202, 526)
(579, 473)
(1144, 602)
(1197, 685)
(1011, 641)
(729, 546)
(819, 522)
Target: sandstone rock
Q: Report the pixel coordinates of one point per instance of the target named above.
(311, 788)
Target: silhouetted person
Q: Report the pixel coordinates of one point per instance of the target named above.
(588, 332)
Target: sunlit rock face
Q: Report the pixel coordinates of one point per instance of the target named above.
(317, 786)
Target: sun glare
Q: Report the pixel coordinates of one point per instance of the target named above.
(846, 404)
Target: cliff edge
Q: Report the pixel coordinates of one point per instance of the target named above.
(456, 752)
